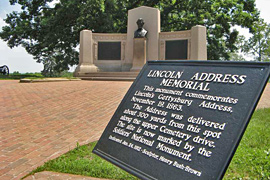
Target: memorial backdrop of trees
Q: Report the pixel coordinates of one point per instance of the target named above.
(49, 30)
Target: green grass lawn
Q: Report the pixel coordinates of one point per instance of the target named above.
(251, 160)
(17, 76)
(82, 161)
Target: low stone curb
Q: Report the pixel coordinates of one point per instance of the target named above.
(47, 175)
(47, 80)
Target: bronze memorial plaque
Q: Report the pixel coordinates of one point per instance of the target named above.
(109, 50)
(183, 119)
(176, 50)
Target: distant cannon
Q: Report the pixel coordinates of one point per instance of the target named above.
(4, 70)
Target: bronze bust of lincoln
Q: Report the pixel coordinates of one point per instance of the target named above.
(140, 32)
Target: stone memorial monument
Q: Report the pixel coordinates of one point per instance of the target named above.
(116, 55)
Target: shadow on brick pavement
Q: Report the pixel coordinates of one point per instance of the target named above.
(41, 121)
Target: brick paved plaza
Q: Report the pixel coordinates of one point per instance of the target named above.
(40, 121)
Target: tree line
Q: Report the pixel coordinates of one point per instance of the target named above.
(51, 32)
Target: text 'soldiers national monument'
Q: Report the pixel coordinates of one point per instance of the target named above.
(183, 119)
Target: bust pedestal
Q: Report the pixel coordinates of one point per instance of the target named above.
(139, 54)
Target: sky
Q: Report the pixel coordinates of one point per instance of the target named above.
(17, 59)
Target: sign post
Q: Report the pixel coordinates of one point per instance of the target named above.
(183, 119)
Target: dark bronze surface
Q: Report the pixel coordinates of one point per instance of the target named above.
(109, 50)
(140, 32)
(145, 135)
(176, 50)
(4, 70)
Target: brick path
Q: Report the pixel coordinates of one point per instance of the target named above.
(40, 121)
(46, 175)
(265, 98)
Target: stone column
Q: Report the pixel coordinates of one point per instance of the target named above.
(198, 43)
(151, 17)
(86, 64)
(139, 54)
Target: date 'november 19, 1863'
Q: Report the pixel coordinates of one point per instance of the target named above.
(183, 119)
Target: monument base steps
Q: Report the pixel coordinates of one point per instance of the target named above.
(109, 76)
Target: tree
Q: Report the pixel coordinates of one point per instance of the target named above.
(238, 55)
(258, 44)
(52, 33)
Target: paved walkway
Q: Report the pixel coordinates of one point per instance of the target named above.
(40, 121)
(46, 175)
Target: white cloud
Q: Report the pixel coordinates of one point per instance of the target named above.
(263, 6)
(17, 59)
(2, 23)
(53, 3)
